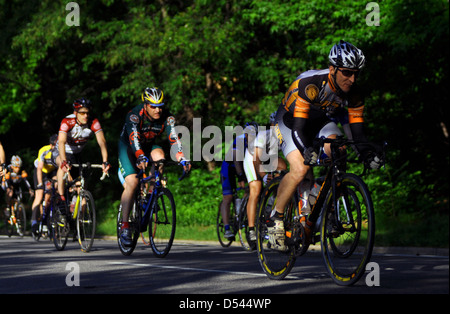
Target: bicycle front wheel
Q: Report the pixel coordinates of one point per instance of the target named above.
(348, 231)
(275, 264)
(59, 226)
(133, 221)
(86, 221)
(162, 223)
(220, 226)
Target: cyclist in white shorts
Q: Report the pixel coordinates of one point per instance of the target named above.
(261, 157)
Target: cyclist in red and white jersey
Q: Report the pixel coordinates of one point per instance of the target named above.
(307, 111)
(74, 132)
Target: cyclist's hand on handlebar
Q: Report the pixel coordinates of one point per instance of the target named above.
(310, 156)
(374, 161)
(65, 165)
(106, 166)
(142, 162)
(186, 164)
(372, 154)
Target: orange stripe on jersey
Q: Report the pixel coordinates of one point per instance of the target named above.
(291, 95)
(301, 109)
(331, 81)
(356, 115)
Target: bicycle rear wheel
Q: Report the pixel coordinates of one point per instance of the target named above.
(21, 219)
(86, 221)
(9, 222)
(275, 264)
(243, 227)
(348, 231)
(162, 223)
(133, 221)
(220, 226)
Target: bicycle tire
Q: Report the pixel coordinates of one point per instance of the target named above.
(220, 227)
(86, 221)
(243, 226)
(275, 264)
(9, 224)
(347, 234)
(21, 219)
(134, 222)
(162, 224)
(60, 229)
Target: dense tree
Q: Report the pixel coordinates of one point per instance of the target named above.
(229, 62)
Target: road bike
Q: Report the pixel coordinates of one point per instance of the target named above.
(237, 221)
(79, 211)
(342, 219)
(16, 217)
(153, 208)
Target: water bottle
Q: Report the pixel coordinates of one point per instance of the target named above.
(72, 203)
(304, 192)
(313, 194)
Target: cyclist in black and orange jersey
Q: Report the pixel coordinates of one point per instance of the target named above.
(14, 177)
(143, 124)
(306, 112)
(74, 132)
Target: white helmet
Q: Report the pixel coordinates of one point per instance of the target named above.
(345, 55)
(16, 161)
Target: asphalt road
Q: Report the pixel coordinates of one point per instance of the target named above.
(29, 267)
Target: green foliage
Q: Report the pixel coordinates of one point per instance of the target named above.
(229, 62)
(197, 197)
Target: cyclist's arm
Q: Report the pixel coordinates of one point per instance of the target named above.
(132, 134)
(39, 168)
(2, 155)
(301, 115)
(175, 143)
(2, 161)
(62, 140)
(239, 166)
(103, 146)
(356, 121)
(298, 134)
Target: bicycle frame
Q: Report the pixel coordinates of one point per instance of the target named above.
(148, 199)
(80, 189)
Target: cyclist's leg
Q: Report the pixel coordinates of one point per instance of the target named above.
(156, 154)
(255, 189)
(38, 195)
(128, 172)
(287, 185)
(228, 181)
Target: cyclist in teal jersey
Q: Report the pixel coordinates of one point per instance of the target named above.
(143, 124)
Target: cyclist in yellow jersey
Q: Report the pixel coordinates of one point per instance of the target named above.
(45, 169)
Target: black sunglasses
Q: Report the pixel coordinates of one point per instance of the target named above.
(349, 73)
